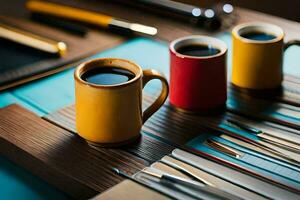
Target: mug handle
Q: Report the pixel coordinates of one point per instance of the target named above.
(148, 75)
(290, 43)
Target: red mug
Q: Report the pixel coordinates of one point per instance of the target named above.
(198, 83)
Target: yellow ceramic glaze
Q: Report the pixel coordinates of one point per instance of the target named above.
(257, 64)
(112, 114)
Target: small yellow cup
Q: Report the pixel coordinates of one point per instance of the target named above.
(111, 115)
(258, 64)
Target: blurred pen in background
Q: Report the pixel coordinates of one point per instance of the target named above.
(89, 17)
(207, 18)
(32, 40)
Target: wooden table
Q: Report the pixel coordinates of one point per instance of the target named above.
(47, 146)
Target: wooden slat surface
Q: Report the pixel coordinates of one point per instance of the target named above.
(198, 124)
(147, 148)
(177, 128)
(281, 108)
(59, 156)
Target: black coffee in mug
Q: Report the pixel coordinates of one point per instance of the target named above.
(260, 36)
(107, 75)
(198, 50)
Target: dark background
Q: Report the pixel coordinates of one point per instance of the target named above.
(289, 9)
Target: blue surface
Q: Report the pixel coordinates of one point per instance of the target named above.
(17, 183)
(54, 92)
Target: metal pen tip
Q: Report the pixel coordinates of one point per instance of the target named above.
(134, 27)
(143, 29)
(62, 48)
(120, 173)
(116, 170)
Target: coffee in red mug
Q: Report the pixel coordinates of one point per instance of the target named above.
(198, 73)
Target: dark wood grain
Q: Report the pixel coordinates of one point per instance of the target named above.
(147, 147)
(172, 127)
(280, 108)
(193, 125)
(165, 124)
(59, 156)
(177, 128)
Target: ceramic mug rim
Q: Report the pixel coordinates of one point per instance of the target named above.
(261, 27)
(198, 39)
(91, 64)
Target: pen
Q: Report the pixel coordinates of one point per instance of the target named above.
(210, 179)
(198, 159)
(185, 171)
(127, 176)
(263, 154)
(196, 14)
(265, 146)
(209, 18)
(32, 40)
(223, 148)
(86, 16)
(192, 185)
(292, 145)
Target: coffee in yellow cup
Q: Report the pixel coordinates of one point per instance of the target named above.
(108, 100)
(258, 55)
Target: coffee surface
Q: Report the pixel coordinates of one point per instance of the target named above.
(259, 36)
(198, 50)
(107, 75)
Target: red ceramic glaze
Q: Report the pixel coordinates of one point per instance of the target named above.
(198, 83)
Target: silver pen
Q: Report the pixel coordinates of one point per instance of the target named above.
(192, 185)
(293, 145)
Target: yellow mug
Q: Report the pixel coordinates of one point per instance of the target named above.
(111, 115)
(257, 64)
